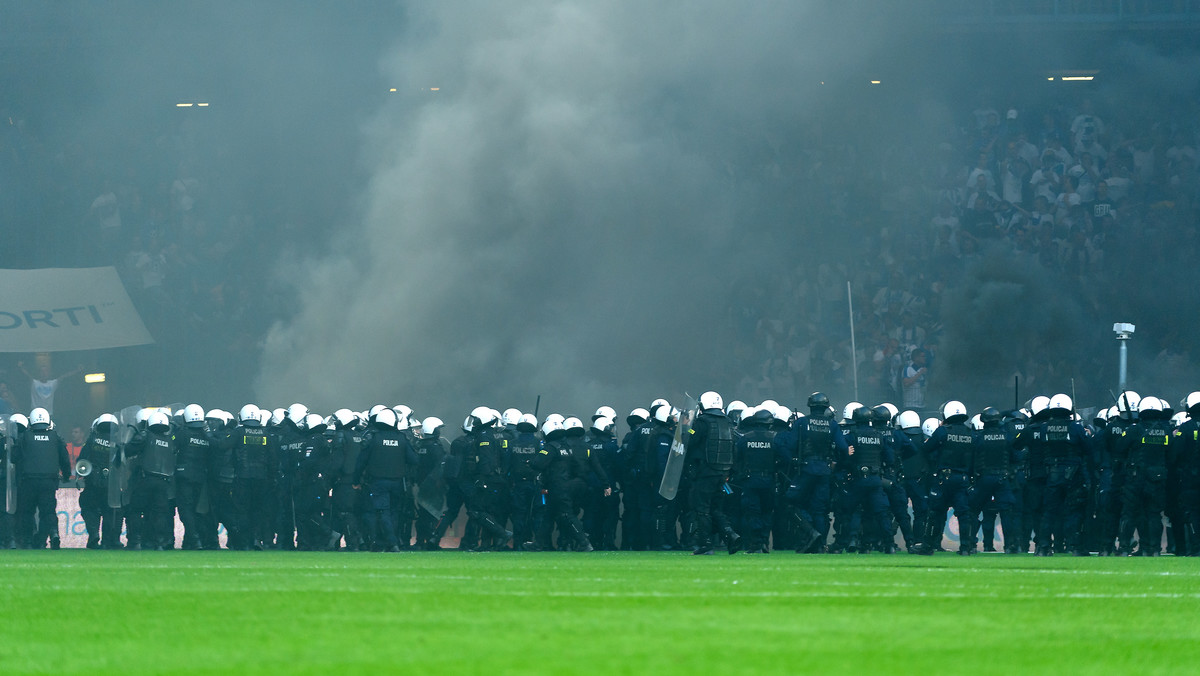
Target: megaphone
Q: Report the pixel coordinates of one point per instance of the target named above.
(83, 468)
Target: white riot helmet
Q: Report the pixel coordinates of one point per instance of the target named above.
(264, 416)
(314, 422)
(659, 402)
(605, 412)
(665, 414)
(386, 418)
(297, 413)
(1149, 405)
(1128, 401)
(556, 417)
(39, 416)
(431, 425)
(402, 411)
(572, 423)
(142, 415)
(552, 429)
(19, 420)
(1179, 418)
(711, 400)
(782, 414)
(158, 421)
(734, 409)
(1060, 402)
(278, 416)
(527, 423)
(954, 412)
(193, 414)
(484, 415)
(1191, 402)
(975, 423)
(105, 418)
(769, 405)
(1113, 413)
(1038, 404)
(747, 414)
(636, 417)
(909, 420)
(602, 424)
(403, 423)
(930, 426)
(345, 418)
(374, 411)
(511, 417)
(250, 413)
(848, 411)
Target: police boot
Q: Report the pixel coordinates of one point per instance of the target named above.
(808, 536)
(501, 535)
(733, 541)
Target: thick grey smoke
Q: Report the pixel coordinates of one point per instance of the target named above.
(567, 214)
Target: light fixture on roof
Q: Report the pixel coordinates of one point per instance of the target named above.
(93, 378)
(875, 81)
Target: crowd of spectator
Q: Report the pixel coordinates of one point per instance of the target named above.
(1080, 196)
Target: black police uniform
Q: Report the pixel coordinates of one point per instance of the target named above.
(255, 468)
(1147, 443)
(384, 463)
(103, 523)
(41, 459)
(951, 451)
(994, 469)
(194, 444)
(757, 458)
(152, 517)
(711, 450)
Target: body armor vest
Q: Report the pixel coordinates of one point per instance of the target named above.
(158, 455)
(957, 450)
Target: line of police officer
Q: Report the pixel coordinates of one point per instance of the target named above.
(291, 479)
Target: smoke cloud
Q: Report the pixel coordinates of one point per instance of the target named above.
(566, 215)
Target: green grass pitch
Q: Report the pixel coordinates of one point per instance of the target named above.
(71, 612)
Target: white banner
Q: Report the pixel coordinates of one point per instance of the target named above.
(59, 309)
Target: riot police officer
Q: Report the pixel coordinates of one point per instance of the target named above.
(152, 455)
(1146, 448)
(384, 463)
(816, 441)
(710, 448)
(103, 523)
(41, 460)
(951, 452)
(757, 458)
(994, 469)
(1062, 446)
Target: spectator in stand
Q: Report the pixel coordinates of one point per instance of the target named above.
(915, 380)
(42, 387)
(75, 443)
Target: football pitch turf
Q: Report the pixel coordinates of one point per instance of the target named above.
(648, 613)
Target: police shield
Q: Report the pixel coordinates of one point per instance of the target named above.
(677, 458)
(118, 473)
(431, 492)
(10, 469)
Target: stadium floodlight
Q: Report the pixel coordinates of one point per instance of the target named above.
(93, 378)
(1124, 332)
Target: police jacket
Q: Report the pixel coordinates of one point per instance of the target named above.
(290, 439)
(1147, 443)
(98, 450)
(521, 453)
(195, 445)
(757, 454)
(951, 448)
(872, 450)
(431, 451)
(315, 461)
(154, 453)
(347, 445)
(41, 454)
(252, 453)
(560, 464)
(602, 453)
(710, 443)
(386, 454)
(993, 451)
(819, 441)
